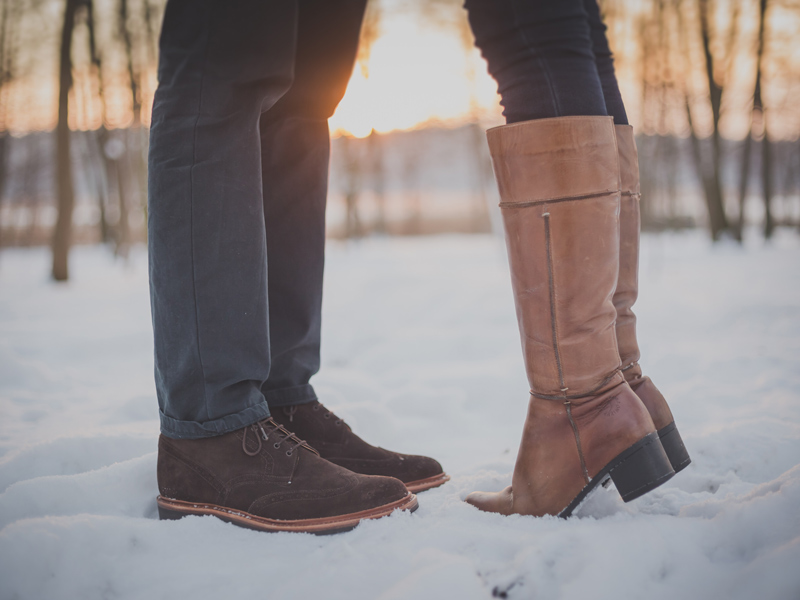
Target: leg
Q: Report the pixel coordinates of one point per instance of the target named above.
(294, 152)
(604, 63)
(540, 54)
(295, 148)
(223, 63)
(560, 190)
(220, 66)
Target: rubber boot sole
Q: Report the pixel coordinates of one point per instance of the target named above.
(169, 509)
(637, 470)
(673, 445)
(420, 485)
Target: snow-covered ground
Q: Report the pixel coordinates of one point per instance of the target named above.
(421, 355)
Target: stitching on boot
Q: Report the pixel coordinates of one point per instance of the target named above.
(577, 441)
(528, 203)
(553, 322)
(565, 396)
(546, 217)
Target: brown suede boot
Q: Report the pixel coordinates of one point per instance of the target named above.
(336, 442)
(625, 295)
(560, 191)
(263, 477)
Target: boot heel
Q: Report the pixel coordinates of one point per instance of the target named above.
(673, 445)
(641, 468)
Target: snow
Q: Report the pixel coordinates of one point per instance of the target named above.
(421, 354)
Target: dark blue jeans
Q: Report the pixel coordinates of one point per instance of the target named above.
(238, 179)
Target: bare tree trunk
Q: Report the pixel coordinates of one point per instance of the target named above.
(3, 148)
(710, 187)
(412, 194)
(480, 210)
(127, 42)
(797, 172)
(144, 148)
(744, 180)
(150, 32)
(127, 166)
(152, 53)
(766, 182)
(97, 160)
(64, 188)
(9, 15)
(98, 138)
(375, 153)
(757, 120)
(352, 170)
(135, 169)
(123, 176)
(758, 107)
(714, 197)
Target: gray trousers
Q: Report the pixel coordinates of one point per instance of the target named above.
(238, 170)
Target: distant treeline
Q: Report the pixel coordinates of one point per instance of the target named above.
(702, 70)
(416, 182)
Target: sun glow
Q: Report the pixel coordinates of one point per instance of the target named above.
(416, 76)
(420, 73)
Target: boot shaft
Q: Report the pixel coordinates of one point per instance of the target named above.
(628, 283)
(559, 187)
(559, 182)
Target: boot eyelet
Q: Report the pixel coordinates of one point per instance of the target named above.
(276, 445)
(288, 453)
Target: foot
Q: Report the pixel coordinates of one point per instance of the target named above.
(335, 441)
(567, 449)
(264, 477)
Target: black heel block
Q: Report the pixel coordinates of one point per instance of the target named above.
(673, 445)
(641, 468)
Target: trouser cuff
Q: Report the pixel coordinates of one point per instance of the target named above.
(299, 394)
(192, 430)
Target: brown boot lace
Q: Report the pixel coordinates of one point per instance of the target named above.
(281, 433)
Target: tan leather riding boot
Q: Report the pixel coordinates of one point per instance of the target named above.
(625, 295)
(560, 198)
